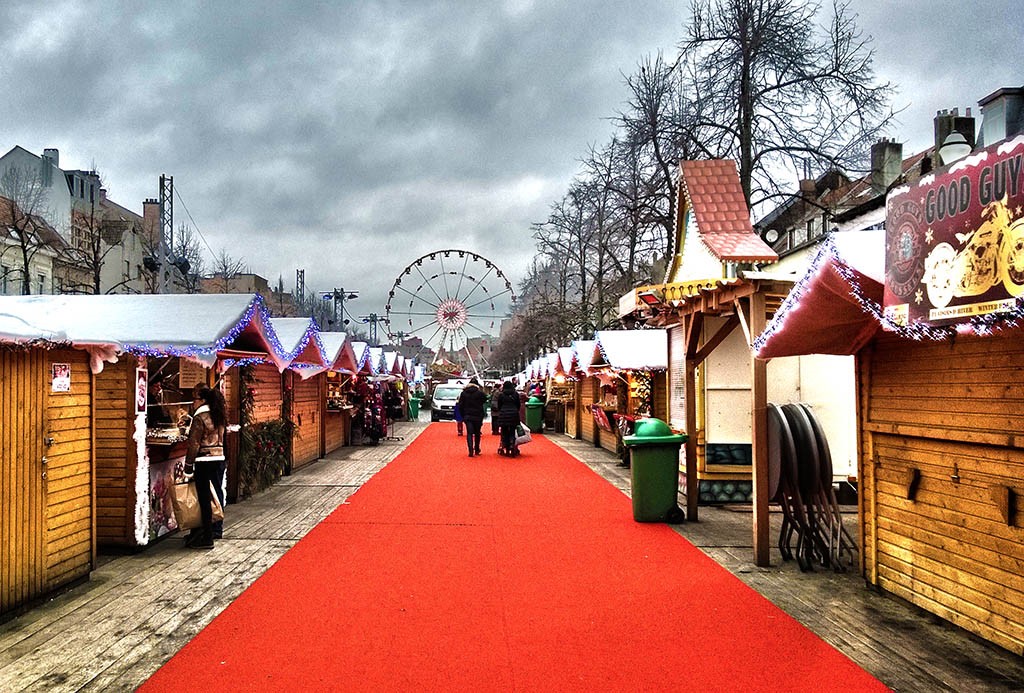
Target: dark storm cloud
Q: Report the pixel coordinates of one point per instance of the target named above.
(350, 138)
(943, 54)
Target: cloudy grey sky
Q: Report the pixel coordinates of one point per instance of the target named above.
(350, 138)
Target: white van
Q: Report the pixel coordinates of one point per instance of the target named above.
(442, 402)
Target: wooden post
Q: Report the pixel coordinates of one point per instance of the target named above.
(692, 484)
(693, 326)
(759, 413)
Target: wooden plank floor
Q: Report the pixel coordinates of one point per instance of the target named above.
(136, 611)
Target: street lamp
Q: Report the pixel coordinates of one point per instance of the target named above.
(954, 148)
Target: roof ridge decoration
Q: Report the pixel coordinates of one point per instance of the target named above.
(711, 189)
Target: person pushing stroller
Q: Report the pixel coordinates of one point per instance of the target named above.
(508, 419)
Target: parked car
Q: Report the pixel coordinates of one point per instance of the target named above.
(442, 403)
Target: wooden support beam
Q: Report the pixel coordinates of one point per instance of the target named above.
(759, 430)
(719, 337)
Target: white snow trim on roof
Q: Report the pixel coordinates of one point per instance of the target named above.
(585, 350)
(863, 251)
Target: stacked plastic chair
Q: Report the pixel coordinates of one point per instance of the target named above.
(800, 481)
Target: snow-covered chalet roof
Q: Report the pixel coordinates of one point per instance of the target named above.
(195, 326)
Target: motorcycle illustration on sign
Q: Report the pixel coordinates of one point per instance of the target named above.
(991, 254)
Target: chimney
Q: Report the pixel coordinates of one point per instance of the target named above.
(53, 156)
(151, 220)
(886, 165)
(1002, 115)
(948, 121)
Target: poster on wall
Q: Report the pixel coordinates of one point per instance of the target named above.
(161, 512)
(954, 242)
(60, 377)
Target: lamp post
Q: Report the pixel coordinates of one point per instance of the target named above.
(339, 296)
(372, 319)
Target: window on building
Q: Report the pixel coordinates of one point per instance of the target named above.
(5, 271)
(41, 279)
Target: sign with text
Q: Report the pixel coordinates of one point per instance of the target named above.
(954, 242)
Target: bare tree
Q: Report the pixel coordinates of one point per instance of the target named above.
(225, 268)
(188, 258)
(775, 91)
(22, 210)
(659, 127)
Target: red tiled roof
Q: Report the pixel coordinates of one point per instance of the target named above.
(723, 219)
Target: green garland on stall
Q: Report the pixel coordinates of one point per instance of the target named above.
(264, 446)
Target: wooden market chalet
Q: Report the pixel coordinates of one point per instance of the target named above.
(92, 393)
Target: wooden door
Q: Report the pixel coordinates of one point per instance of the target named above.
(22, 487)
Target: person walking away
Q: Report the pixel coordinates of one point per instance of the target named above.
(508, 419)
(471, 403)
(495, 392)
(205, 454)
(457, 415)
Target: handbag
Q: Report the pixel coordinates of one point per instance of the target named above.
(185, 501)
(523, 435)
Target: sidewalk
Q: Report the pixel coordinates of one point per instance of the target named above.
(114, 631)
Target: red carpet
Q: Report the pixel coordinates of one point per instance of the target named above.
(445, 573)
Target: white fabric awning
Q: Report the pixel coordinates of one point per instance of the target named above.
(634, 350)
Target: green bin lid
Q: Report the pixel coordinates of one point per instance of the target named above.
(653, 432)
(535, 402)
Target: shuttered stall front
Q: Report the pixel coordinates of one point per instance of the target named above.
(46, 474)
(588, 429)
(660, 395)
(676, 378)
(22, 487)
(308, 403)
(572, 408)
(942, 464)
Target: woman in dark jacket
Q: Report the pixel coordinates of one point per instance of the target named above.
(471, 404)
(508, 419)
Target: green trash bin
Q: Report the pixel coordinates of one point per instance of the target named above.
(414, 408)
(654, 471)
(534, 414)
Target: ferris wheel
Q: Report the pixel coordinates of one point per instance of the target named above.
(445, 298)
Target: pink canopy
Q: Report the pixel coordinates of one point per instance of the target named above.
(835, 308)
